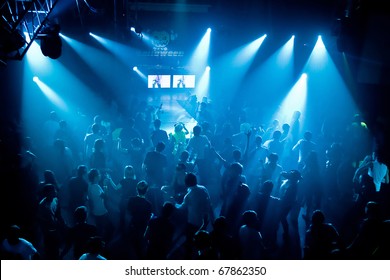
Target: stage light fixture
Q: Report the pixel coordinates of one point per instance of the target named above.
(51, 43)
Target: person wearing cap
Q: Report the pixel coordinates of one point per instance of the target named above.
(289, 200)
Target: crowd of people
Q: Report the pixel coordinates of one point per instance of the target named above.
(225, 189)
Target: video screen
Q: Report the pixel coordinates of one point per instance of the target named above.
(183, 81)
(159, 81)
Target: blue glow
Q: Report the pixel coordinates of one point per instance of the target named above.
(123, 52)
(142, 75)
(132, 29)
(52, 95)
(199, 57)
(285, 55)
(294, 101)
(318, 58)
(39, 64)
(35, 79)
(209, 30)
(247, 53)
(202, 88)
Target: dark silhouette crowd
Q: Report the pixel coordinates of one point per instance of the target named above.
(124, 188)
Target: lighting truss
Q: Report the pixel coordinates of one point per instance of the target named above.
(22, 21)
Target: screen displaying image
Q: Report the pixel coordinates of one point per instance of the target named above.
(183, 81)
(159, 81)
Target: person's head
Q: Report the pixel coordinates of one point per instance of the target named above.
(292, 175)
(13, 235)
(53, 116)
(129, 172)
(236, 154)
(95, 128)
(202, 239)
(308, 135)
(178, 127)
(142, 187)
(98, 145)
(197, 130)
(82, 170)
(167, 209)
(373, 210)
(93, 175)
(157, 123)
(249, 218)
(184, 156)
(273, 157)
(276, 134)
(286, 127)
(160, 146)
(317, 217)
(63, 124)
(236, 168)
(95, 245)
(97, 119)
(220, 224)
(258, 140)
(49, 176)
(49, 191)
(243, 192)
(80, 214)
(267, 187)
(191, 180)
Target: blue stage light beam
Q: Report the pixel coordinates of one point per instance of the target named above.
(199, 57)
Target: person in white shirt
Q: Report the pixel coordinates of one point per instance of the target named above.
(16, 247)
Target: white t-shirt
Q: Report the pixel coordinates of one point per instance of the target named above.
(23, 248)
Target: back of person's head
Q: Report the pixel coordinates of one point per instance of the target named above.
(178, 127)
(181, 167)
(98, 145)
(168, 209)
(197, 130)
(53, 116)
(157, 123)
(63, 124)
(286, 127)
(267, 187)
(191, 180)
(136, 142)
(202, 239)
(184, 155)
(317, 217)
(220, 224)
(129, 172)
(142, 187)
(81, 170)
(49, 176)
(276, 134)
(249, 218)
(160, 146)
(373, 210)
(308, 135)
(97, 119)
(93, 174)
(80, 214)
(95, 245)
(243, 192)
(95, 128)
(13, 234)
(273, 157)
(49, 191)
(258, 140)
(60, 145)
(236, 168)
(236, 154)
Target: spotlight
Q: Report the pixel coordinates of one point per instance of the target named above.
(209, 29)
(35, 79)
(208, 68)
(135, 68)
(51, 44)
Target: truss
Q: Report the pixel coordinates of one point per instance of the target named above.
(20, 24)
